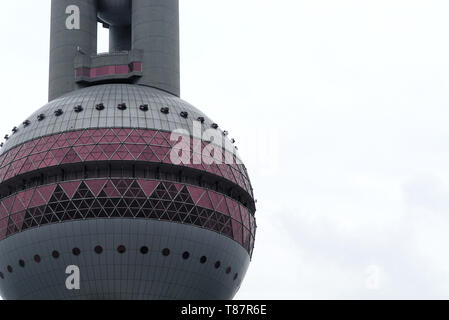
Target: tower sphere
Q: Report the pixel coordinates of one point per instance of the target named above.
(107, 192)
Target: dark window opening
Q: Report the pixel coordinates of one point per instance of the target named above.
(203, 260)
(121, 249)
(37, 258)
(217, 264)
(22, 263)
(9, 269)
(76, 251)
(98, 249)
(55, 254)
(144, 250)
(166, 252)
(186, 255)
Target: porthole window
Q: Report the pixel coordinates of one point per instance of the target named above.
(2, 276)
(22, 263)
(26, 123)
(201, 119)
(55, 254)
(144, 107)
(78, 109)
(203, 260)
(144, 250)
(59, 112)
(186, 255)
(228, 270)
(9, 269)
(121, 249)
(122, 106)
(166, 252)
(217, 264)
(98, 249)
(99, 107)
(165, 110)
(236, 276)
(37, 258)
(76, 251)
(184, 114)
(41, 117)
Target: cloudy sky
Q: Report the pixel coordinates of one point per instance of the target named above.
(340, 109)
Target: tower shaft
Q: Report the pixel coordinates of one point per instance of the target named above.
(143, 49)
(64, 42)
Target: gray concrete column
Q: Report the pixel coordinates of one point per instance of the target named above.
(119, 38)
(64, 43)
(155, 30)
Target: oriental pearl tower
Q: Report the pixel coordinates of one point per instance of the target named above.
(94, 203)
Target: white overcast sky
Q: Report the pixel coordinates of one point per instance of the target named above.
(340, 109)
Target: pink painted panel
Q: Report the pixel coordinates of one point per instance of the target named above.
(110, 137)
(72, 137)
(122, 134)
(195, 193)
(70, 188)
(135, 138)
(47, 191)
(86, 138)
(123, 154)
(122, 69)
(205, 202)
(25, 197)
(237, 231)
(110, 190)
(148, 155)
(3, 228)
(221, 206)
(18, 219)
(135, 150)
(137, 66)
(109, 149)
(148, 186)
(96, 186)
(37, 200)
(83, 151)
(234, 209)
(17, 206)
(71, 157)
(245, 216)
